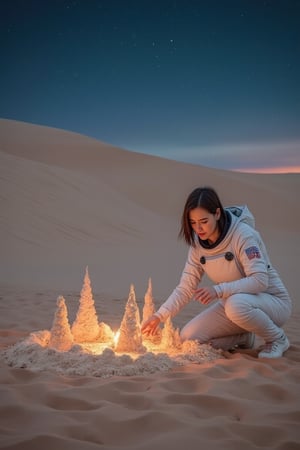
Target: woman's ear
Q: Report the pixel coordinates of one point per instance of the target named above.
(218, 213)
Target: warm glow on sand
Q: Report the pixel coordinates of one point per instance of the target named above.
(90, 346)
(116, 337)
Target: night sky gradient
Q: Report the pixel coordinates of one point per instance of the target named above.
(210, 82)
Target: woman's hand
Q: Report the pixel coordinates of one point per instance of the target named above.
(205, 295)
(149, 328)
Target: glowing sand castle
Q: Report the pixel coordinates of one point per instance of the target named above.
(86, 331)
(91, 348)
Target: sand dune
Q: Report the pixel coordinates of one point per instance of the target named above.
(68, 201)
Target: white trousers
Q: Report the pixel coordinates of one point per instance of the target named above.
(224, 323)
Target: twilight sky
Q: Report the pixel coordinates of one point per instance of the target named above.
(212, 82)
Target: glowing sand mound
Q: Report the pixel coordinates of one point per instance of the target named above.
(92, 348)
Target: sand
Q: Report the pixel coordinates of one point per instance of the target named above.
(68, 201)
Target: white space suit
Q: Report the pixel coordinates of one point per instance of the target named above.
(251, 295)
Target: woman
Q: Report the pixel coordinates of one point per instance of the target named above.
(250, 296)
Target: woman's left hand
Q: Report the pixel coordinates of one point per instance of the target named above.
(205, 295)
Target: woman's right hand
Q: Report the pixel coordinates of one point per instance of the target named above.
(149, 328)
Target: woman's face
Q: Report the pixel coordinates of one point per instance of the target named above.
(205, 224)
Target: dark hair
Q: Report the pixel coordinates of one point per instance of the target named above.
(204, 197)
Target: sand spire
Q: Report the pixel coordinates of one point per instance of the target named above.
(170, 337)
(149, 307)
(60, 336)
(85, 328)
(130, 339)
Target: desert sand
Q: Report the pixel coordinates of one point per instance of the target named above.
(69, 201)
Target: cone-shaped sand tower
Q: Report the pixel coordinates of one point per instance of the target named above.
(170, 337)
(61, 338)
(85, 327)
(130, 339)
(149, 307)
(148, 311)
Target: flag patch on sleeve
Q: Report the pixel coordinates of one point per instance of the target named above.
(253, 252)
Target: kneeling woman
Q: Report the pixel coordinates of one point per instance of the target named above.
(251, 298)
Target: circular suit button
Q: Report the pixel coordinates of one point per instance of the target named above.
(229, 256)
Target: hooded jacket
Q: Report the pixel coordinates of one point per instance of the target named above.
(237, 263)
